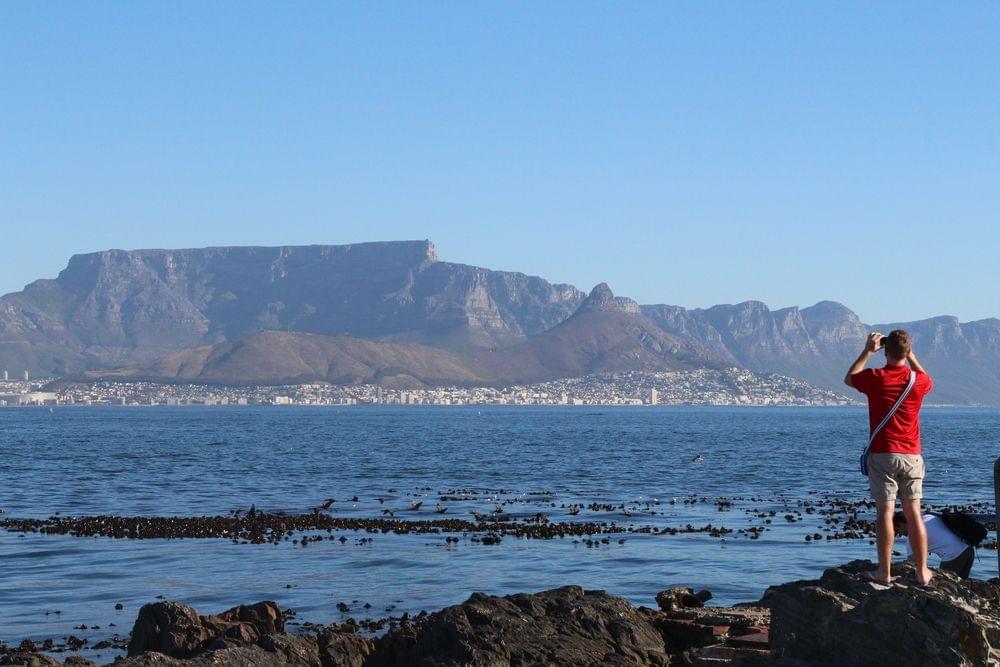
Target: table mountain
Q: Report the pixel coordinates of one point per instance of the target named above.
(120, 307)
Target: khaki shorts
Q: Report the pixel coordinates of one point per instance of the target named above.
(892, 473)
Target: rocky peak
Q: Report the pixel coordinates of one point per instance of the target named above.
(829, 311)
(601, 300)
(833, 323)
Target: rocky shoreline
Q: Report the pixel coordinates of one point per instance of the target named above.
(839, 618)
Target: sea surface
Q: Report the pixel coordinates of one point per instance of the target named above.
(631, 462)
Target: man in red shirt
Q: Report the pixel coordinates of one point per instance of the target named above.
(895, 464)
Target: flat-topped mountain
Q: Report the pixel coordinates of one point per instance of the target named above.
(119, 308)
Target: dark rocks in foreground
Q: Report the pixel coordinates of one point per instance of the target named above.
(842, 619)
(179, 631)
(561, 626)
(835, 620)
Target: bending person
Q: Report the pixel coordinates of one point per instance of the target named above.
(955, 553)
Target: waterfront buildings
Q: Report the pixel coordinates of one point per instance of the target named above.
(732, 386)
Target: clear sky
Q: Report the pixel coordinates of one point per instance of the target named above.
(686, 153)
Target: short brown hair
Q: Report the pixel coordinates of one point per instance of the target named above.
(897, 344)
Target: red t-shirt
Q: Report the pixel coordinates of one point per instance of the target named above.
(883, 387)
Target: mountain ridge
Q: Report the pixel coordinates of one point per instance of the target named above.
(602, 336)
(120, 308)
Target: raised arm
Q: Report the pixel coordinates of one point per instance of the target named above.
(872, 344)
(914, 364)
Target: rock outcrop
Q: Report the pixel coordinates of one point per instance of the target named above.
(843, 619)
(168, 633)
(840, 618)
(178, 631)
(563, 626)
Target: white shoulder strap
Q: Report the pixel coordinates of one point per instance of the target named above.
(895, 406)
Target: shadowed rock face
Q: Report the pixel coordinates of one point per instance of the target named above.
(178, 631)
(117, 307)
(567, 626)
(168, 633)
(842, 619)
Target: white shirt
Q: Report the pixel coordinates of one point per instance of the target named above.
(940, 541)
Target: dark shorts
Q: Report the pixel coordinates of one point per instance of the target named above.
(961, 565)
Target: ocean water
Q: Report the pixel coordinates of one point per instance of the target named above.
(189, 461)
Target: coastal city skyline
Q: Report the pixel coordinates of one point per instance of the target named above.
(396, 315)
(728, 387)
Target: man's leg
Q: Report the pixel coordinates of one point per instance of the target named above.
(885, 535)
(883, 488)
(918, 538)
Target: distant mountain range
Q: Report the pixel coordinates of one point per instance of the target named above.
(602, 336)
(392, 313)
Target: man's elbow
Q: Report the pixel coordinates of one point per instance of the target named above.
(847, 381)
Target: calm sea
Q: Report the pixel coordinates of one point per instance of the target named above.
(195, 461)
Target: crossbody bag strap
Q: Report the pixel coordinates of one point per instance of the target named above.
(895, 406)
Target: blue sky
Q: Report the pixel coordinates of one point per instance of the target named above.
(686, 153)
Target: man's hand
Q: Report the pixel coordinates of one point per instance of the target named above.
(872, 345)
(874, 342)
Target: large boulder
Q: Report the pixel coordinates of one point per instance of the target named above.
(266, 617)
(841, 618)
(168, 633)
(170, 628)
(681, 597)
(343, 649)
(178, 631)
(564, 626)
